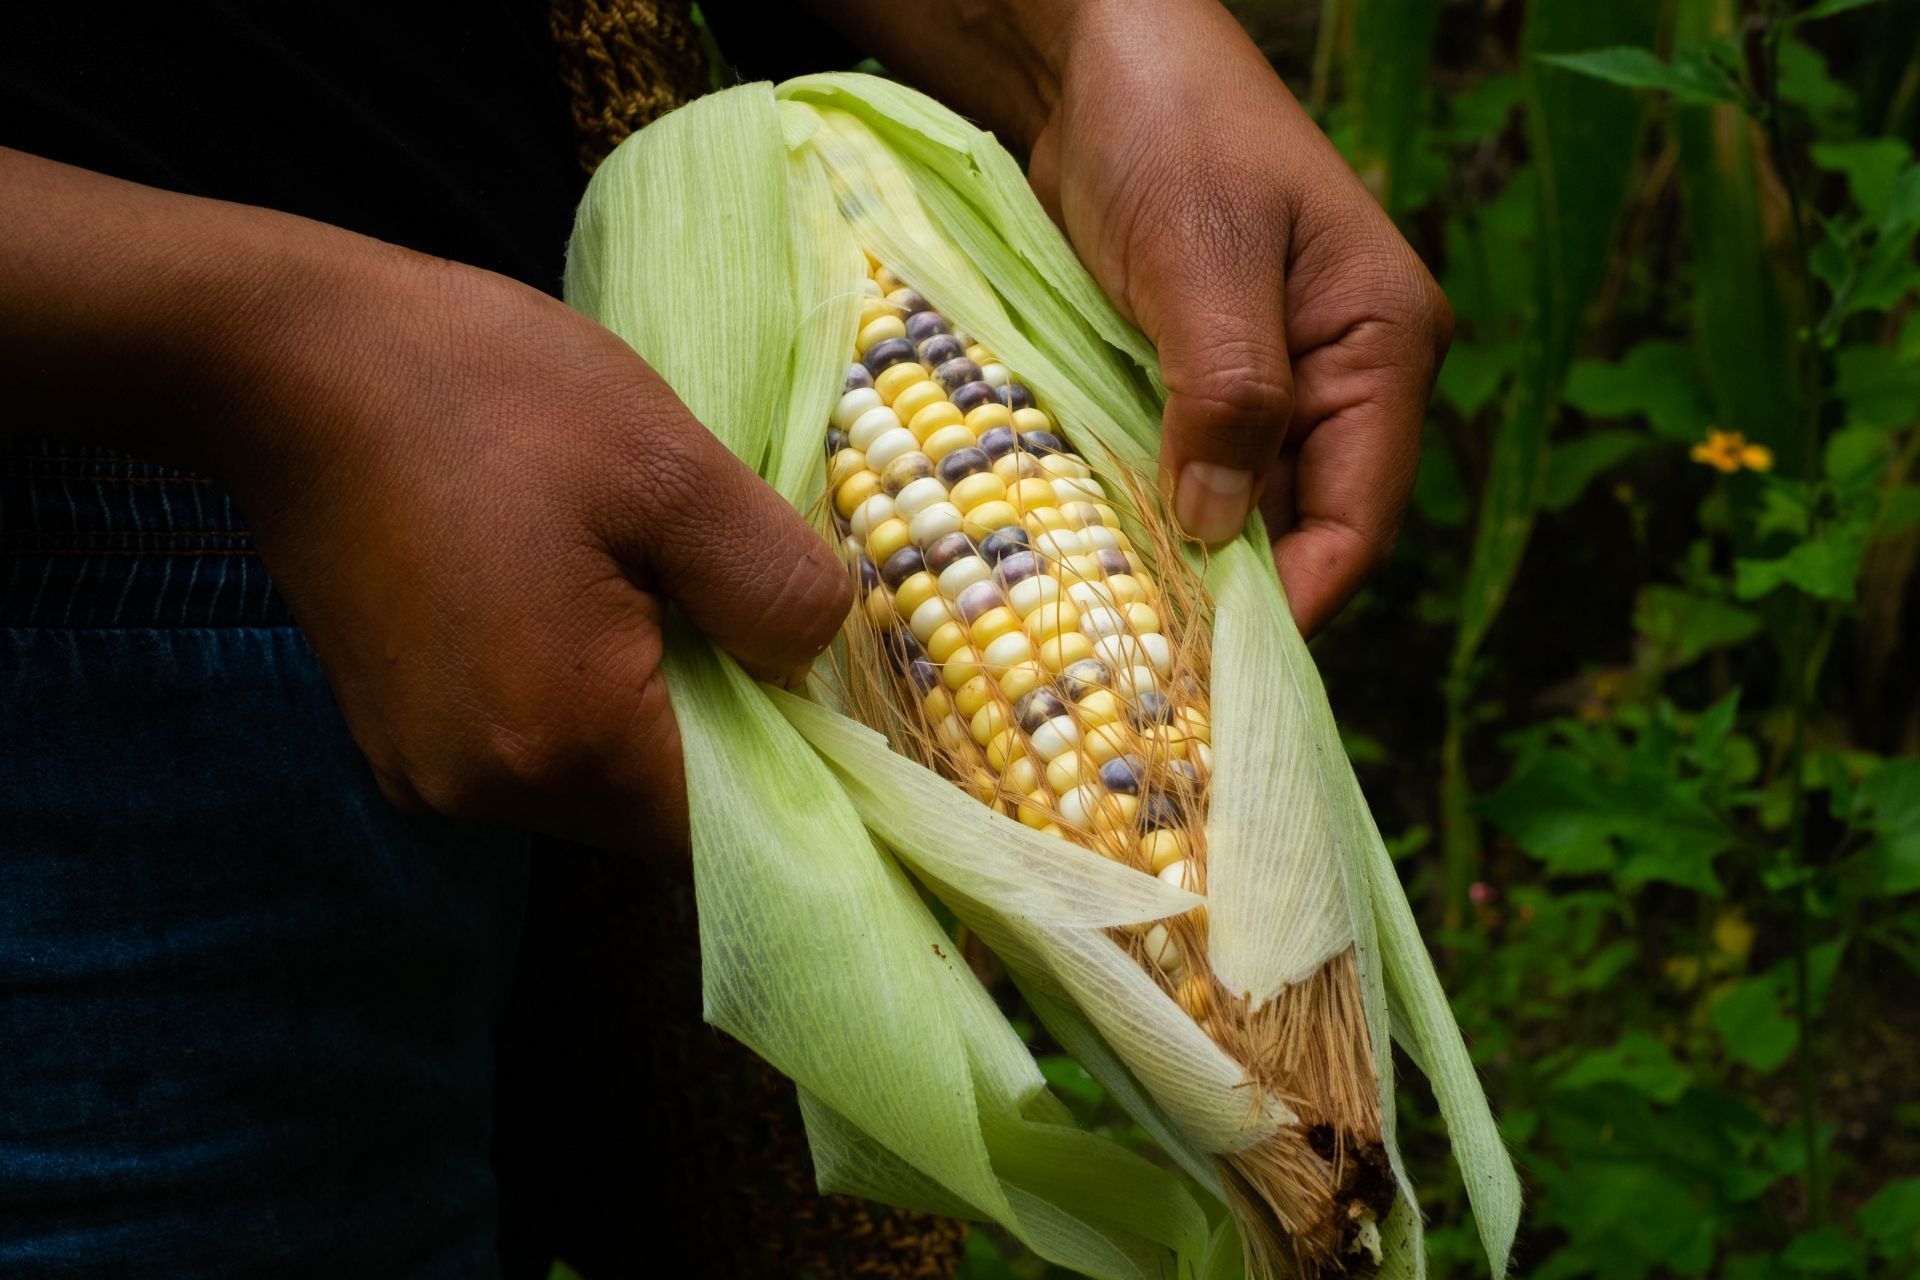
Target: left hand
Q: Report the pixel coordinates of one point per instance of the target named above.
(1298, 333)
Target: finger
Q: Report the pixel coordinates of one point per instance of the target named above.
(1355, 467)
(737, 559)
(1211, 296)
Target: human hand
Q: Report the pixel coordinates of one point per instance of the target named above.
(479, 505)
(1298, 334)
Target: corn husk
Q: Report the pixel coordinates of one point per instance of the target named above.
(725, 243)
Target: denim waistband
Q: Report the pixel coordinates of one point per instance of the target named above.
(92, 538)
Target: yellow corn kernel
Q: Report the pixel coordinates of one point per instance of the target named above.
(1081, 567)
(1141, 618)
(1009, 650)
(872, 309)
(1004, 747)
(1022, 679)
(989, 722)
(1036, 810)
(952, 734)
(1024, 420)
(897, 379)
(986, 416)
(1065, 771)
(886, 538)
(973, 695)
(883, 276)
(1051, 619)
(917, 397)
(993, 624)
(982, 786)
(942, 644)
(1126, 589)
(1164, 742)
(914, 592)
(975, 489)
(1195, 994)
(963, 666)
(857, 489)
(1021, 775)
(1015, 467)
(939, 414)
(1064, 650)
(1193, 722)
(1162, 848)
(945, 440)
(879, 607)
(1104, 742)
(879, 329)
(988, 516)
(1029, 494)
(846, 464)
(1043, 520)
(1116, 814)
(1102, 706)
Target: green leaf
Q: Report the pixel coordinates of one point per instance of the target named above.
(1805, 80)
(1686, 626)
(1439, 490)
(1755, 1019)
(1638, 1060)
(1825, 567)
(1856, 451)
(1575, 463)
(1873, 168)
(1698, 81)
(1879, 386)
(1824, 1251)
(1474, 374)
(1391, 45)
(1657, 379)
(1890, 796)
(1828, 8)
(1891, 1220)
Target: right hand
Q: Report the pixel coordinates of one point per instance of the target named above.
(479, 505)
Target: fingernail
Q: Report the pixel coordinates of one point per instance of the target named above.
(1212, 501)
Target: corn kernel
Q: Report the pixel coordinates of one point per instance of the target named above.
(1163, 951)
(1021, 679)
(1078, 803)
(1200, 756)
(879, 329)
(946, 439)
(1164, 742)
(993, 624)
(975, 489)
(846, 464)
(1064, 650)
(1080, 515)
(1004, 747)
(1102, 706)
(1193, 722)
(988, 516)
(1062, 466)
(883, 277)
(1043, 520)
(897, 379)
(988, 416)
(886, 538)
(879, 606)
(988, 723)
(945, 639)
(1065, 771)
(963, 573)
(917, 397)
(1050, 619)
(1005, 651)
(1028, 494)
(932, 418)
(933, 613)
(856, 490)
(1181, 874)
(914, 592)
(973, 695)
(1116, 814)
(951, 734)
(1104, 742)
(937, 705)
(1029, 594)
(963, 666)
(1126, 589)
(1162, 849)
(979, 354)
(1081, 568)
(1022, 775)
(1025, 420)
(870, 426)
(1036, 810)
(936, 521)
(853, 404)
(872, 309)
(1141, 619)
(1014, 467)
(1195, 995)
(1055, 737)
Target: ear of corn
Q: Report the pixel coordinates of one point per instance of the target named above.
(737, 244)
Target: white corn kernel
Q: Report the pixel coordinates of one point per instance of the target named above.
(1181, 875)
(1101, 621)
(1077, 805)
(872, 512)
(1087, 594)
(1159, 652)
(891, 444)
(1029, 594)
(1005, 651)
(963, 573)
(919, 495)
(1056, 737)
(1077, 489)
(871, 425)
(932, 614)
(995, 374)
(936, 521)
(1162, 950)
(1098, 537)
(853, 404)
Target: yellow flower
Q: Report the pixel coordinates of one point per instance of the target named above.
(1728, 451)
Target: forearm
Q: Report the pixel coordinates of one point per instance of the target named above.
(138, 317)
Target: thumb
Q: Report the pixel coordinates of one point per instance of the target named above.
(741, 563)
(1214, 304)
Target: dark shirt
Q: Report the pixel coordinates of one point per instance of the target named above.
(441, 125)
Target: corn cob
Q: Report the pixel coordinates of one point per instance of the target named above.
(1035, 638)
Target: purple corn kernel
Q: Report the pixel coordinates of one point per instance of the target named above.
(939, 349)
(995, 442)
(857, 377)
(976, 599)
(1015, 396)
(947, 548)
(901, 565)
(886, 353)
(962, 463)
(1036, 708)
(1003, 542)
(1089, 675)
(1113, 562)
(956, 373)
(1150, 709)
(971, 396)
(1017, 567)
(1042, 442)
(923, 674)
(1123, 774)
(923, 324)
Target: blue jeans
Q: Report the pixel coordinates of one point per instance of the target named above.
(247, 1010)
